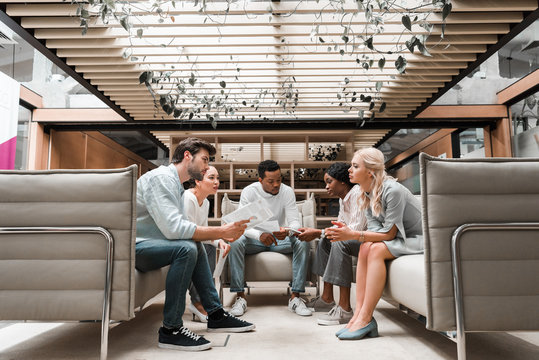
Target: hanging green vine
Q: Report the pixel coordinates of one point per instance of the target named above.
(184, 98)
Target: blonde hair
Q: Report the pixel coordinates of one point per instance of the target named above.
(373, 159)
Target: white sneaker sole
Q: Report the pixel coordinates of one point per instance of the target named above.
(233, 330)
(332, 322)
(185, 348)
(295, 312)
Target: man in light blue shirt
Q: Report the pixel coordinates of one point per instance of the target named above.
(165, 237)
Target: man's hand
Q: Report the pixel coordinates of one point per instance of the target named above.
(225, 247)
(281, 234)
(267, 239)
(309, 234)
(232, 231)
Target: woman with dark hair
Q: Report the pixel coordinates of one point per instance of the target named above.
(393, 229)
(333, 261)
(197, 206)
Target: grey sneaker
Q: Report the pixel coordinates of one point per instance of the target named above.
(335, 316)
(317, 304)
(297, 305)
(240, 307)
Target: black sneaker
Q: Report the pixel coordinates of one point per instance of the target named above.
(182, 339)
(229, 323)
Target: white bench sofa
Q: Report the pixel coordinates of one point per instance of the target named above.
(272, 266)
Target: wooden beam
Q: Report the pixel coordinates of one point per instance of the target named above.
(514, 91)
(463, 112)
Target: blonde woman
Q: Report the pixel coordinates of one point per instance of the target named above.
(196, 207)
(393, 229)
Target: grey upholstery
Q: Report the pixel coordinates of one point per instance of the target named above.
(500, 267)
(271, 266)
(61, 276)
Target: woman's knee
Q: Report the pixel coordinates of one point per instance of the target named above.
(364, 250)
(378, 251)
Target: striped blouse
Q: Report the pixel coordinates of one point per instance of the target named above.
(349, 212)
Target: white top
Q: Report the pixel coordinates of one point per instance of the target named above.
(196, 213)
(283, 206)
(349, 212)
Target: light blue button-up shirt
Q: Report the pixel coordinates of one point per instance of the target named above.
(160, 213)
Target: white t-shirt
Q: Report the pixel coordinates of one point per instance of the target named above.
(197, 213)
(283, 206)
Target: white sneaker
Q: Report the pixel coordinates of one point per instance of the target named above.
(240, 307)
(336, 316)
(297, 305)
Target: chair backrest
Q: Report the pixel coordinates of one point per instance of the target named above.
(500, 267)
(306, 208)
(62, 276)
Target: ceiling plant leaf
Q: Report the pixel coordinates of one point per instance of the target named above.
(184, 88)
(407, 22)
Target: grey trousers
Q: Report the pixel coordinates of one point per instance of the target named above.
(211, 252)
(333, 261)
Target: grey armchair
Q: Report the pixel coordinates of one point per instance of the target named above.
(481, 228)
(67, 242)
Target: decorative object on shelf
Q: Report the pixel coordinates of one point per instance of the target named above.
(327, 152)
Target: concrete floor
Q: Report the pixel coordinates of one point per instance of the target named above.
(279, 334)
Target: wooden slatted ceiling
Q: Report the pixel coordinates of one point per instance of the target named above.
(268, 50)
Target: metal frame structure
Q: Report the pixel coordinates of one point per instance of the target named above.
(457, 273)
(105, 317)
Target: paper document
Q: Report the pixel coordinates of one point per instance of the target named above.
(268, 226)
(257, 212)
(221, 260)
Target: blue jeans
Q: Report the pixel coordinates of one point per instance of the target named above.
(188, 262)
(291, 244)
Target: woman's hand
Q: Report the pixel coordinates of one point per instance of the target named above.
(225, 247)
(340, 233)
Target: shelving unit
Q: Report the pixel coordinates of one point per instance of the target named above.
(243, 150)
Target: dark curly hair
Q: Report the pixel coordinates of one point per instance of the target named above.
(339, 171)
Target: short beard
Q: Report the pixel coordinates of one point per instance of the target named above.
(196, 175)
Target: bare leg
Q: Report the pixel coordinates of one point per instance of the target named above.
(361, 276)
(375, 282)
(200, 308)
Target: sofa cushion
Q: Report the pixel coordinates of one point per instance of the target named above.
(406, 282)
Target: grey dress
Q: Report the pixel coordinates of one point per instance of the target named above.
(401, 208)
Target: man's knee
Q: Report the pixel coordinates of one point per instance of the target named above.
(185, 249)
(238, 245)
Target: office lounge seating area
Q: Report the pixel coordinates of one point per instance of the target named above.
(69, 282)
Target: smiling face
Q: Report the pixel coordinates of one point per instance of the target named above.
(210, 182)
(271, 183)
(359, 174)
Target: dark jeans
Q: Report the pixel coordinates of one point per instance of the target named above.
(188, 262)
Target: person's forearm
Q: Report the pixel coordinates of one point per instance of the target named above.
(371, 236)
(203, 233)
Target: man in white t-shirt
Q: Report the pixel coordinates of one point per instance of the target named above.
(281, 200)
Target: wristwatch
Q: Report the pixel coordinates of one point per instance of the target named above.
(323, 235)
